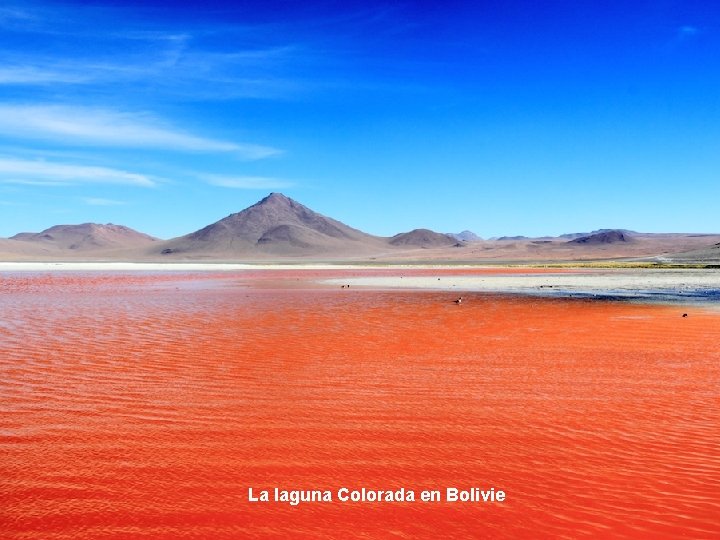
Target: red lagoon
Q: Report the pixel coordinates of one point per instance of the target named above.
(166, 405)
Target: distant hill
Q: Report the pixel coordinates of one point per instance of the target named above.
(423, 238)
(466, 236)
(87, 237)
(275, 226)
(611, 236)
(572, 236)
(505, 238)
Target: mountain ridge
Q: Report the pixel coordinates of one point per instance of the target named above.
(278, 228)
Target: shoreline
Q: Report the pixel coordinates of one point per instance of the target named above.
(648, 285)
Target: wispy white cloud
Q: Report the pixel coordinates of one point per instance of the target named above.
(247, 182)
(684, 35)
(39, 183)
(41, 75)
(197, 76)
(687, 31)
(10, 13)
(21, 171)
(105, 127)
(249, 61)
(97, 201)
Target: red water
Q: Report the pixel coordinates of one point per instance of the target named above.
(146, 406)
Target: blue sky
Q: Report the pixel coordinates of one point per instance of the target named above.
(505, 118)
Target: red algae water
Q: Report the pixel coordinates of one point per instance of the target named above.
(147, 406)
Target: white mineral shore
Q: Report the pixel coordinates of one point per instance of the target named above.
(646, 283)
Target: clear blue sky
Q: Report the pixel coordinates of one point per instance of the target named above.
(502, 117)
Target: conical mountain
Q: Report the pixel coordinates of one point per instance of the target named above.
(275, 226)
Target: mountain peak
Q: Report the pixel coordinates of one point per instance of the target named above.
(276, 224)
(276, 198)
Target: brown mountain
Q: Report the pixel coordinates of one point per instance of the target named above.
(87, 237)
(423, 238)
(275, 226)
(603, 237)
